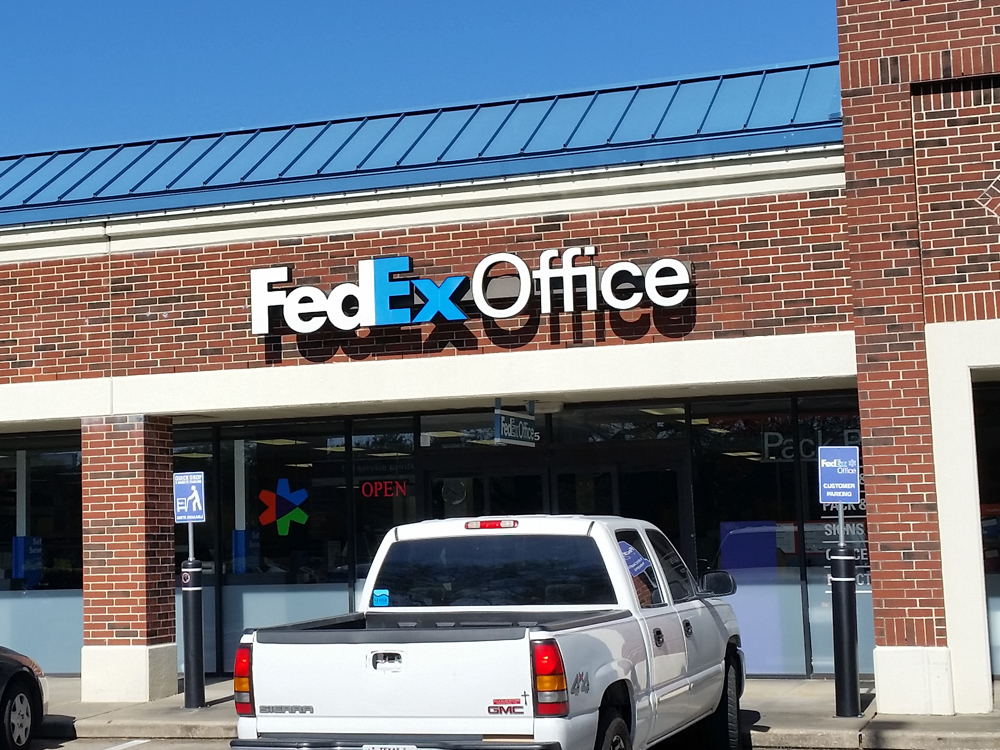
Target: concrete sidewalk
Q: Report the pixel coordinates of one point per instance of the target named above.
(167, 718)
(791, 714)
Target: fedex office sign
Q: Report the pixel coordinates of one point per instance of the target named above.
(374, 300)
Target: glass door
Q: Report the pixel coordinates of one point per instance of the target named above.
(456, 495)
(585, 491)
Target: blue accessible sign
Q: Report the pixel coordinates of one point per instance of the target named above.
(634, 560)
(839, 475)
(189, 497)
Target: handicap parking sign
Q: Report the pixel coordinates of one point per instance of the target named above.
(189, 497)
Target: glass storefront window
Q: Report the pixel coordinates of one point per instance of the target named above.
(41, 549)
(986, 402)
(746, 521)
(384, 482)
(586, 492)
(620, 422)
(55, 516)
(288, 543)
(456, 430)
(297, 509)
(8, 516)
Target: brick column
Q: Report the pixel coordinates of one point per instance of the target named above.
(887, 46)
(129, 645)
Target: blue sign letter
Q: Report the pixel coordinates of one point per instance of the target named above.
(439, 299)
(386, 289)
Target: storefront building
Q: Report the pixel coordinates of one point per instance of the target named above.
(693, 284)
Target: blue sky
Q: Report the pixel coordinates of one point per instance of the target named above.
(108, 71)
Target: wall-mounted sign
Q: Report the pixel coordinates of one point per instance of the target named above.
(380, 298)
(513, 428)
(839, 475)
(387, 488)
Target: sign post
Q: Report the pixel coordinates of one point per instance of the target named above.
(840, 485)
(189, 507)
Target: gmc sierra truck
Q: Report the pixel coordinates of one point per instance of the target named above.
(510, 633)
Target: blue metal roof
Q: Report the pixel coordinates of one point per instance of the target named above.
(728, 113)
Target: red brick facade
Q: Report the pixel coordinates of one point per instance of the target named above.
(762, 265)
(917, 158)
(128, 531)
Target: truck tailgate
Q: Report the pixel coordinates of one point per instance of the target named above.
(474, 681)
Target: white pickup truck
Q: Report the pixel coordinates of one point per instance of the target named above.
(512, 633)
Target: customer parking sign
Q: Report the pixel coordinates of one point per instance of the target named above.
(839, 475)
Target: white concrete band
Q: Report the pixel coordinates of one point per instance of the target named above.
(665, 369)
(954, 351)
(128, 674)
(814, 168)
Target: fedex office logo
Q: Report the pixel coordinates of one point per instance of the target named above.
(379, 298)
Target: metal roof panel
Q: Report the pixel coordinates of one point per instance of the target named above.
(722, 113)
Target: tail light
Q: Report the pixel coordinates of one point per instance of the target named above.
(551, 696)
(506, 523)
(241, 682)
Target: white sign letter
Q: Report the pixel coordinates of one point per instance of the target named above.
(262, 297)
(363, 292)
(608, 285)
(305, 300)
(679, 277)
(479, 278)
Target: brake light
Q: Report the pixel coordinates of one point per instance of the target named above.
(241, 682)
(507, 523)
(551, 697)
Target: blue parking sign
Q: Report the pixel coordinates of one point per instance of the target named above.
(189, 497)
(839, 475)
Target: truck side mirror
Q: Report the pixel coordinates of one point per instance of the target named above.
(717, 583)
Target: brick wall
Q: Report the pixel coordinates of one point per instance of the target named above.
(762, 265)
(956, 127)
(913, 260)
(128, 531)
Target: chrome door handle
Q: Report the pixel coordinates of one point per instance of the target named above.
(657, 636)
(688, 630)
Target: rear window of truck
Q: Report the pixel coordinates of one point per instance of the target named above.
(493, 571)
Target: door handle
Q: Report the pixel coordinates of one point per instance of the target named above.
(688, 630)
(657, 636)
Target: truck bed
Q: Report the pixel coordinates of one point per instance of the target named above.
(432, 627)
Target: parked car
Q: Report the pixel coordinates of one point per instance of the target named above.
(24, 699)
(512, 633)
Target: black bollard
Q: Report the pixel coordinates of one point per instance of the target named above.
(843, 570)
(194, 643)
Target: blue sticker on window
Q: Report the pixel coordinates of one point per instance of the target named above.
(634, 561)
(380, 598)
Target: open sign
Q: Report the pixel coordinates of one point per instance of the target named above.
(389, 488)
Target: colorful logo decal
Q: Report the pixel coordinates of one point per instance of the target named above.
(380, 598)
(283, 507)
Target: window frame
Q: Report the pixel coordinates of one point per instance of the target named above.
(696, 592)
(665, 600)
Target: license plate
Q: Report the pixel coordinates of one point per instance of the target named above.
(388, 747)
